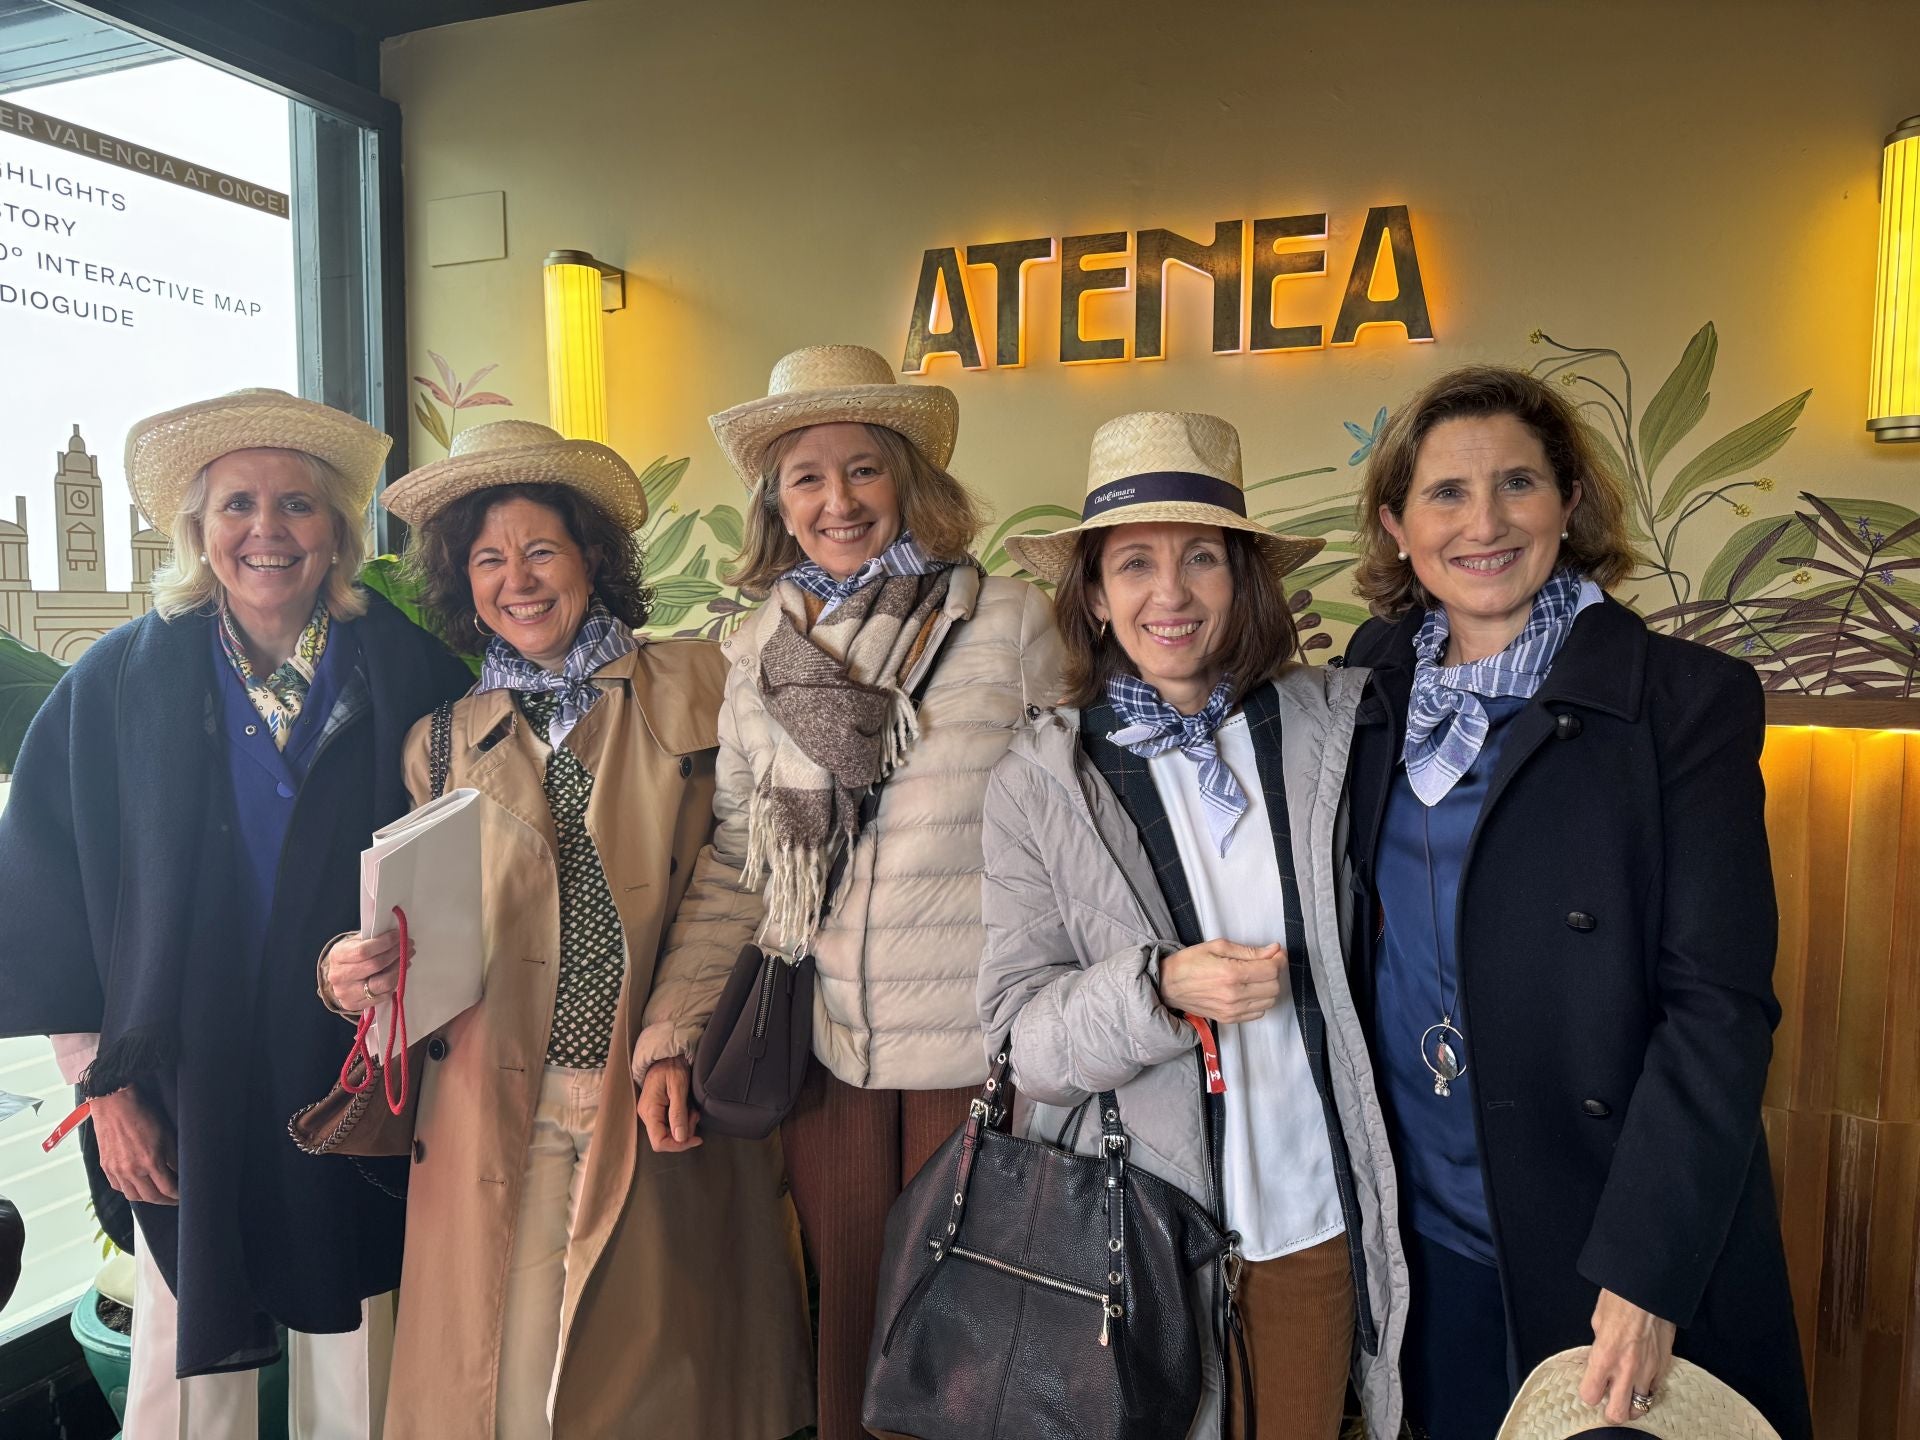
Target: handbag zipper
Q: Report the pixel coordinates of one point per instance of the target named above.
(766, 997)
(1065, 1288)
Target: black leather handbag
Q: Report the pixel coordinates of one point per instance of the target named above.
(1030, 1293)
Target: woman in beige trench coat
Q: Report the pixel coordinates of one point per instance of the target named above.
(678, 1298)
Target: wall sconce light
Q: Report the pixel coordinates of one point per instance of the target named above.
(1893, 393)
(579, 290)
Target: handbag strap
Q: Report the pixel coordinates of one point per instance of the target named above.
(440, 747)
(1113, 1148)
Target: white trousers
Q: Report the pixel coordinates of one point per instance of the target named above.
(336, 1384)
(537, 1275)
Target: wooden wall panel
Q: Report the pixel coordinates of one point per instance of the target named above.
(1842, 1113)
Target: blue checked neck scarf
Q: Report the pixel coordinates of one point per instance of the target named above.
(903, 557)
(1154, 727)
(1446, 723)
(600, 641)
(279, 697)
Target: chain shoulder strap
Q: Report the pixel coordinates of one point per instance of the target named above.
(440, 747)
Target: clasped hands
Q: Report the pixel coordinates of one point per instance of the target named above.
(1224, 981)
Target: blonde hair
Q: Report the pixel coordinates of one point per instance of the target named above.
(942, 514)
(186, 583)
(1597, 542)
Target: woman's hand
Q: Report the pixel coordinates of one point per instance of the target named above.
(1631, 1348)
(361, 970)
(136, 1148)
(1223, 981)
(666, 1107)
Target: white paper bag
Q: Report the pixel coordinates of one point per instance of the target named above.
(428, 864)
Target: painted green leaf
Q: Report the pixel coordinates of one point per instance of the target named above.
(1789, 534)
(1327, 518)
(1883, 518)
(685, 591)
(27, 677)
(1313, 576)
(1678, 405)
(728, 525)
(699, 566)
(659, 480)
(432, 422)
(1737, 451)
(388, 578)
(1343, 614)
(1290, 475)
(665, 546)
(1034, 520)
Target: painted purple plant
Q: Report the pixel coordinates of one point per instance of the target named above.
(455, 394)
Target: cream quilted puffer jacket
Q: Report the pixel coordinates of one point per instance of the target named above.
(898, 958)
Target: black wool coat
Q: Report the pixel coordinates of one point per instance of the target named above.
(118, 860)
(1616, 938)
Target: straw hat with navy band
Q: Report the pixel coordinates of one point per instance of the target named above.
(1163, 467)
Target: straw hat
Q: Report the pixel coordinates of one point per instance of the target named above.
(1164, 466)
(165, 451)
(1690, 1404)
(828, 384)
(519, 452)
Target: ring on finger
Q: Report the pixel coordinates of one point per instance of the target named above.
(366, 987)
(1642, 1401)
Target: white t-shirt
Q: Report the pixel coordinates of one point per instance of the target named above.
(1277, 1163)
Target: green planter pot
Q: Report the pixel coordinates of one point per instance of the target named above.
(110, 1358)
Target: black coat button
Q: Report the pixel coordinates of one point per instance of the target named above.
(436, 1049)
(673, 864)
(1565, 727)
(1033, 712)
(419, 1151)
(686, 766)
(1580, 920)
(1598, 1109)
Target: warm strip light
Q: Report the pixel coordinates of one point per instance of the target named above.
(576, 348)
(1893, 396)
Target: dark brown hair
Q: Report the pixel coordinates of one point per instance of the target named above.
(437, 558)
(942, 514)
(1597, 543)
(1257, 644)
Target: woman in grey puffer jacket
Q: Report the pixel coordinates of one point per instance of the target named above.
(1163, 914)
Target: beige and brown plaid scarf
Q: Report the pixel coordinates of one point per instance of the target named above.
(836, 690)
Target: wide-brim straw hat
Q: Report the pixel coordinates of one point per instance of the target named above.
(1689, 1404)
(166, 451)
(519, 452)
(837, 384)
(1169, 467)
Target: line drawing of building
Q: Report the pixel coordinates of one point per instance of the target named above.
(64, 621)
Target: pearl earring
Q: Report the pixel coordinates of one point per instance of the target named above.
(203, 557)
(1563, 534)
(1403, 554)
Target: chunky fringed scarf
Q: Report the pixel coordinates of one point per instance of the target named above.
(837, 692)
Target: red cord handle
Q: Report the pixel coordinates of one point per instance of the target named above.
(396, 1035)
(1210, 1050)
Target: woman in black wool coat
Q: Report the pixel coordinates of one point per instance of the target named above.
(181, 838)
(1565, 932)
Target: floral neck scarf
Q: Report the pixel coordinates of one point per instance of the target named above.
(279, 696)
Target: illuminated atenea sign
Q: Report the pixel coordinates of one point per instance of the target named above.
(1281, 248)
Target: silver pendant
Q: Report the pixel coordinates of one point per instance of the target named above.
(1437, 1053)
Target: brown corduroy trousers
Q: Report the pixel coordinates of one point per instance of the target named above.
(1298, 1313)
(849, 1154)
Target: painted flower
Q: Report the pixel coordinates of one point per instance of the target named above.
(1864, 526)
(1801, 577)
(1743, 511)
(1885, 576)
(1764, 484)
(1749, 645)
(1533, 337)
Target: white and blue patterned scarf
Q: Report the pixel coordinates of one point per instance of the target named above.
(600, 640)
(1154, 727)
(1446, 723)
(903, 557)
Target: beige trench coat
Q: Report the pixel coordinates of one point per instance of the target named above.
(685, 1308)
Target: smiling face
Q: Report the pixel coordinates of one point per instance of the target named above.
(1481, 527)
(269, 535)
(532, 583)
(1165, 591)
(838, 498)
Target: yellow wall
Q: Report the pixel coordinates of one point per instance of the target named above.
(1613, 174)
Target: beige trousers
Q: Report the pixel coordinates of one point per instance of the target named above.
(537, 1274)
(336, 1384)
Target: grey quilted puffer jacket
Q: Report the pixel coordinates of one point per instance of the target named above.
(898, 957)
(1076, 928)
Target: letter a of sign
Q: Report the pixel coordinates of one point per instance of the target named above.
(940, 270)
(1408, 308)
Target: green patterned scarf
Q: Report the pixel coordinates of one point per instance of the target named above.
(279, 696)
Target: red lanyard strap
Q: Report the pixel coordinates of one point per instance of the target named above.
(396, 1036)
(1210, 1050)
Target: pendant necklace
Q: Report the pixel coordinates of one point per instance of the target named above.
(1441, 1044)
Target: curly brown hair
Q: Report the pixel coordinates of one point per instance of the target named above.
(1597, 543)
(1259, 640)
(437, 559)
